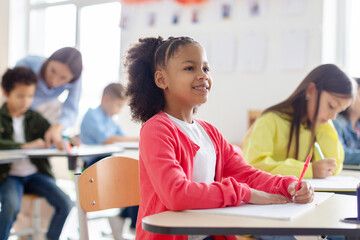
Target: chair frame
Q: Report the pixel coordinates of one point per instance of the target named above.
(36, 229)
(112, 182)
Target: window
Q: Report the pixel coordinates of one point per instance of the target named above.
(341, 35)
(92, 26)
(352, 38)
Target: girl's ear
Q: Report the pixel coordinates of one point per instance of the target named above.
(311, 91)
(160, 79)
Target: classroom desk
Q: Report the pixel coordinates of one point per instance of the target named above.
(351, 167)
(82, 151)
(9, 158)
(323, 219)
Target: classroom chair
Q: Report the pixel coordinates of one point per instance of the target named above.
(29, 220)
(112, 182)
(253, 114)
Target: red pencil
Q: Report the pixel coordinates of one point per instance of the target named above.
(306, 164)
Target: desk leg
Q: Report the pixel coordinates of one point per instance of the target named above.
(72, 162)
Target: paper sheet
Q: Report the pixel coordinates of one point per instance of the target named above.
(294, 49)
(334, 183)
(275, 211)
(223, 53)
(127, 145)
(252, 52)
(39, 151)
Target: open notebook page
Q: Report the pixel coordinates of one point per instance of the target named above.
(276, 211)
(334, 183)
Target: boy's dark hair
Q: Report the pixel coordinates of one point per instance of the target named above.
(141, 62)
(346, 112)
(327, 77)
(69, 56)
(17, 75)
(115, 90)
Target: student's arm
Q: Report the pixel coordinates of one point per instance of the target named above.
(32, 62)
(352, 156)
(164, 157)
(70, 107)
(259, 149)
(6, 144)
(92, 130)
(173, 184)
(235, 166)
(118, 138)
(328, 140)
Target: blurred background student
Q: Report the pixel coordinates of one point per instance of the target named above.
(22, 128)
(284, 135)
(99, 127)
(348, 127)
(60, 72)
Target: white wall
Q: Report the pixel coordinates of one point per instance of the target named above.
(235, 92)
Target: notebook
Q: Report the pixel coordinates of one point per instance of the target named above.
(286, 211)
(335, 183)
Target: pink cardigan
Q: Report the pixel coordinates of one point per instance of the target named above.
(166, 174)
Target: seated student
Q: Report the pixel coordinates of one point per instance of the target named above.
(347, 125)
(98, 127)
(284, 134)
(25, 129)
(186, 163)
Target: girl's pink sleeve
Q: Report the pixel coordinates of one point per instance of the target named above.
(161, 156)
(236, 167)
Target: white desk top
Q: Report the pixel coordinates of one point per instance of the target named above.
(324, 219)
(8, 158)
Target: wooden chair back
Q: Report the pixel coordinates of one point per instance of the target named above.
(112, 182)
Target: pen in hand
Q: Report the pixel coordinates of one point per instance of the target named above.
(306, 165)
(319, 150)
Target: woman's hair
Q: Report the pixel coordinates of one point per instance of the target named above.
(327, 77)
(141, 61)
(346, 112)
(68, 56)
(17, 75)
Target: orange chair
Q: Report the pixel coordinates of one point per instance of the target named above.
(112, 182)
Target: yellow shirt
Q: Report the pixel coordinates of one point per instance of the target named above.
(266, 146)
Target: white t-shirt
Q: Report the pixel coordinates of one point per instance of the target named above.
(205, 158)
(25, 167)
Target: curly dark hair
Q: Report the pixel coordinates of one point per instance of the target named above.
(17, 75)
(141, 62)
(346, 113)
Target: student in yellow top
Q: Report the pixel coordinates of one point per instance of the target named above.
(284, 134)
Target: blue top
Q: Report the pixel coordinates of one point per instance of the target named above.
(44, 94)
(349, 139)
(96, 127)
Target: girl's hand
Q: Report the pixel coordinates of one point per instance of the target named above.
(37, 143)
(260, 197)
(53, 136)
(324, 168)
(305, 194)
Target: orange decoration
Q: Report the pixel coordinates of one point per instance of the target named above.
(137, 1)
(190, 1)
